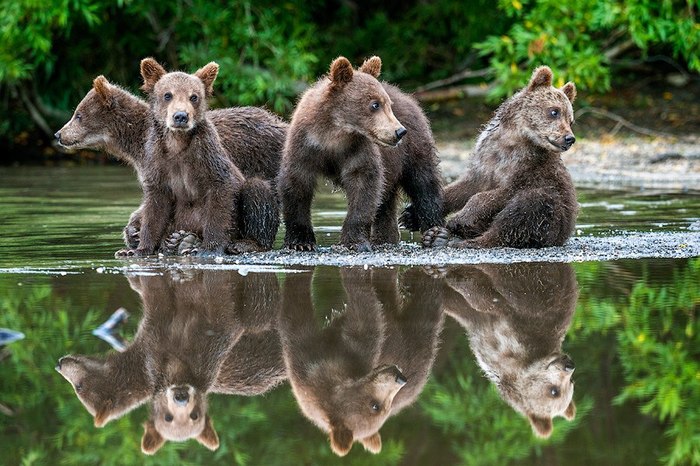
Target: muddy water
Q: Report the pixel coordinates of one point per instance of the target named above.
(475, 360)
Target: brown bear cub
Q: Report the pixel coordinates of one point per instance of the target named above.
(347, 127)
(516, 191)
(111, 119)
(516, 317)
(189, 182)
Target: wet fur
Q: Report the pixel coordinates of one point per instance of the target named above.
(334, 134)
(516, 191)
(113, 120)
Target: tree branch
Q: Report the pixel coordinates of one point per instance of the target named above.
(620, 121)
(452, 93)
(464, 74)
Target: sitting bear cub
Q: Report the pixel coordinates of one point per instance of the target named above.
(516, 191)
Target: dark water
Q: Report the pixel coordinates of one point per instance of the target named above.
(269, 359)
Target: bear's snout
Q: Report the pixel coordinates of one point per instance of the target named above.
(569, 140)
(180, 119)
(57, 136)
(400, 133)
(181, 396)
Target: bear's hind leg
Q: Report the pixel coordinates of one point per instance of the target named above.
(529, 220)
(385, 228)
(259, 217)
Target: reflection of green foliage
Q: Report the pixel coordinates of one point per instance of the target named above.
(654, 320)
(660, 354)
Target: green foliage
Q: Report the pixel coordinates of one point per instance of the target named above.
(580, 39)
(658, 337)
(660, 354)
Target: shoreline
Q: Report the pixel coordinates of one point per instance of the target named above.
(636, 162)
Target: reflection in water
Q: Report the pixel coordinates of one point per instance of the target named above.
(8, 336)
(516, 317)
(201, 332)
(373, 357)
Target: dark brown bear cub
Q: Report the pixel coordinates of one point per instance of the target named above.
(188, 176)
(516, 191)
(371, 140)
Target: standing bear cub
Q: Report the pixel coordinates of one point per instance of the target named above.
(516, 191)
(188, 178)
(371, 140)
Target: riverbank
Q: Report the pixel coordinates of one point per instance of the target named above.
(664, 163)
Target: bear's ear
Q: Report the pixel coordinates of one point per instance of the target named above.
(570, 412)
(542, 76)
(151, 440)
(208, 437)
(103, 89)
(208, 74)
(341, 72)
(569, 90)
(372, 66)
(541, 426)
(101, 416)
(151, 72)
(72, 369)
(341, 440)
(373, 443)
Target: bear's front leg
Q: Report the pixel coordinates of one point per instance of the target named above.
(476, 216)
(132, 230)
(156, 212)
(385, 229)
(220, 223)
(296, 188)
(362, 178)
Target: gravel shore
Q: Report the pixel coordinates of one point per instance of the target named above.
(634, 162)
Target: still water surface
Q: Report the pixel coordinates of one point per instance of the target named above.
(540, 363)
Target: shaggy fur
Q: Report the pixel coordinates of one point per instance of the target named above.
(516, 191)
(113, 120)
(349, 128)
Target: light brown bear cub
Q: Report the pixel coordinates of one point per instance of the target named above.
(516, 191)
(111, 119)
(347, 127)
(188, 178)
(516, 317)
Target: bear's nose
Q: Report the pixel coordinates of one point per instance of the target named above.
(180, 118)
(57, 136)
(401, 132)
(181, 397)
(569, 365)
(569, 140)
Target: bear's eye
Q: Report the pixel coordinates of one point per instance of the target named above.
(168, 418)
(78, 117)
(167, 96)
(554, 113)
(194, 416)
(79, 387)
(194, 98)
(554, 391)
(375, 105)
(375, 406)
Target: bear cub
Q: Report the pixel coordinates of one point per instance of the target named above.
(371, 140)
(188, 177)
(516, 191)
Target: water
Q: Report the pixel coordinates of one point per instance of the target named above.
(278, 348)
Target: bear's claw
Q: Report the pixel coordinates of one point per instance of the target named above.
(408, 219)
(436, 237)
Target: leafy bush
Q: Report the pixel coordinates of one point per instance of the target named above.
(583, 38)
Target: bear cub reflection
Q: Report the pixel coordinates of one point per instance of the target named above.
(516, 317)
